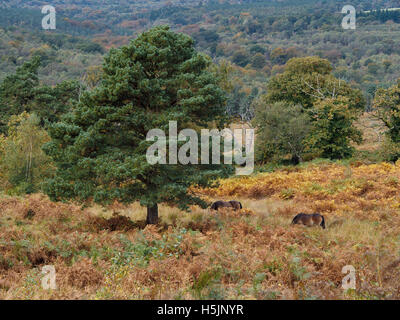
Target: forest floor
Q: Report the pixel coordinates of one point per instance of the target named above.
(254, 253)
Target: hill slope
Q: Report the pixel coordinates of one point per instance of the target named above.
(251, 254)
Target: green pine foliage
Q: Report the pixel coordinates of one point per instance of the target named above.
(100, 147)
(17, 91)
(22, 92)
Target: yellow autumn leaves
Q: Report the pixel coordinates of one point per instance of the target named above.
(338, 189)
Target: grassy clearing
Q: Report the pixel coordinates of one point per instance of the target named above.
(252, 254)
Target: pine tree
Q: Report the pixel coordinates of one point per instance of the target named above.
(17, 91)
(100, 147)
(50, 103)
(22, 92)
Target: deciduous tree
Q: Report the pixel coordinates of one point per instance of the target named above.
(281, 131)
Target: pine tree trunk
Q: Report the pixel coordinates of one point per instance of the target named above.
(296, 160)
(152, 215)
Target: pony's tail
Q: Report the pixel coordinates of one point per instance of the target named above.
(213, 206)
(241, 207)
(295, 219)
(323, 222)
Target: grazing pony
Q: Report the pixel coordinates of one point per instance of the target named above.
(309, 220)
(236, 205)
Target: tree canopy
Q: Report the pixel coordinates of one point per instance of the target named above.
(22, 92)
(100, 147)
(386, 107)
(306, 80)
(17, 91)
(328, 104)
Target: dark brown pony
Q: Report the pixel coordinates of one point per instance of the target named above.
(309, 220)
(236, 205)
